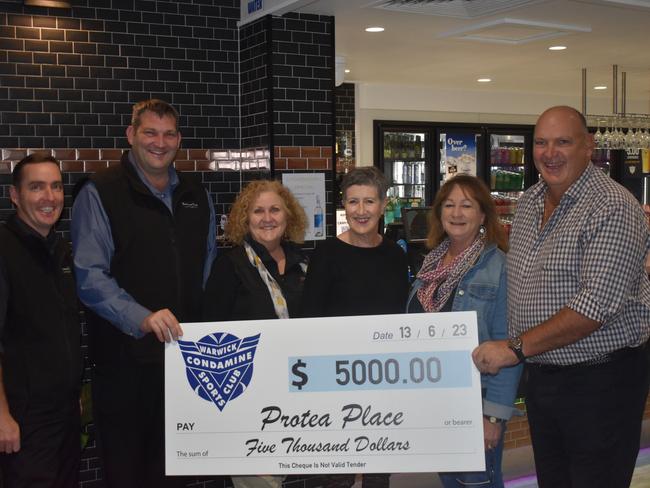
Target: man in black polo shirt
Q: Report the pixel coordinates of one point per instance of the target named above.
(39, 335)
(144, 241)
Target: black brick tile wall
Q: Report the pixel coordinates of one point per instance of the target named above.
(344, 97)
(345, 119)
(223, 187)
(255, 93)
(102, 56)
(68, 79)
(296, 52)
(303, 80)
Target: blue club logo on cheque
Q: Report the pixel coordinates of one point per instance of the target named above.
(219, 366)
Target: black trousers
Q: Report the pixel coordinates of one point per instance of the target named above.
(585, 422)
(128, 406)
(50, 447)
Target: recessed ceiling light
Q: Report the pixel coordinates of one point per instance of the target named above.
(347, 70)
(48, 3)
(374, 29)
(600, 87)
(484, 80)
(557, 48)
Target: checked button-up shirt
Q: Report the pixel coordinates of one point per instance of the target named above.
(589, 257)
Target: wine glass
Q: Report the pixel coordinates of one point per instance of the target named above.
(645, 137)
(606, 139)
(638, 135)
(618, 139)
(630, 137)
(598, 135)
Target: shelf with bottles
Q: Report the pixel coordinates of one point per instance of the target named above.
(505, 202)
(407, 184)
(404, 160)
(394, 206)
(402, 172)
(507, 156)
(404, 146)
(504, 180)
(407, 190)
(393, 210)
(507, 150)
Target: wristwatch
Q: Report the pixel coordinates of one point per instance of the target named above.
(493, 420)
(515, 344)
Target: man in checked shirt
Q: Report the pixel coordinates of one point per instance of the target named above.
(579, 312)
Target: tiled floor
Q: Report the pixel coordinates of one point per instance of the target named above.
(641, 477)
(519, 462)
(642, 474)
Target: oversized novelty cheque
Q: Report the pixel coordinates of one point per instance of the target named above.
(383, 393)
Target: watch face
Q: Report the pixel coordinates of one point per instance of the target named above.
(516, 344)
(493, 420)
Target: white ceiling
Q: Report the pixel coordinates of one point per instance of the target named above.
(411, 52)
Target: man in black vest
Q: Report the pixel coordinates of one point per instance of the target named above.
(41, 363)
(144, 241)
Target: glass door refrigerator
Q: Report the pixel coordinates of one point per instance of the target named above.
(501, 155)
(509, 167)
(403, 152)
(417, 158)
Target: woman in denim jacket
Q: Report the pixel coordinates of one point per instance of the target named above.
(465, 270)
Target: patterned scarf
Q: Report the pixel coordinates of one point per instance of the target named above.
(279, 302)
(439, 280)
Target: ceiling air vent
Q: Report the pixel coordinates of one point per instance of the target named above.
(463, 9)
(513, 31)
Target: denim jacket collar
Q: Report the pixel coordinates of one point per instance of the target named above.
(417, 284)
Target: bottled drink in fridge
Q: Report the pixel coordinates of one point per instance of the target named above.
(398, 172)
(387, 146)
(418, 147)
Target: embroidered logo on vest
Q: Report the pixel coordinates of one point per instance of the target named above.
(219, 366)
(189, 205)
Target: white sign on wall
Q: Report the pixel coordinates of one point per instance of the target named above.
(309, 190)
(341, 222)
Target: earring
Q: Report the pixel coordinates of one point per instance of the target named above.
(482, 230)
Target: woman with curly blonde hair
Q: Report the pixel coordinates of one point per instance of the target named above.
(262, 276)
(238, 223)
